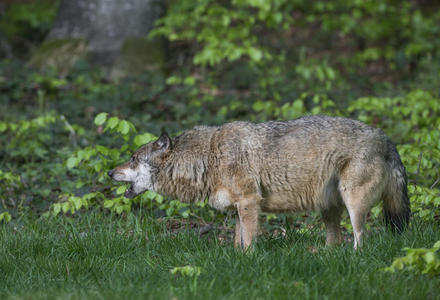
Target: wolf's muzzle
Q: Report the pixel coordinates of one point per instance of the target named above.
(110, 173)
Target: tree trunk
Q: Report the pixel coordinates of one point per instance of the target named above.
(104, 26)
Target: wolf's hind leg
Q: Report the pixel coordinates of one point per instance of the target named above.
(332, 221)
(361, 186)
(357, 218)
(247, 226)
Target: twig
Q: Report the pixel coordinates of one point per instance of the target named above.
(435, 183)
(418, 166)
(71, 130)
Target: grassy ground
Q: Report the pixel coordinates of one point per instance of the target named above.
(99, 257)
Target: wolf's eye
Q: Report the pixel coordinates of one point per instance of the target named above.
(132, 159)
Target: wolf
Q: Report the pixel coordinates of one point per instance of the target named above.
(317, 163)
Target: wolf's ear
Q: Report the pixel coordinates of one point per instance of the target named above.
(163, 143)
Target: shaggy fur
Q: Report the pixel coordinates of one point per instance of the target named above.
(311, 163)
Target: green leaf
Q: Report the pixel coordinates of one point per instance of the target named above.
(101, 118)
(65, 206)
(143, 139)
(5, 216)
(76, 201)
(115, 154)
(430, 257)
(103, 150)
(158, 198)
(169, 211)
(120, 190)
(189, 80)
(124, 127)
(255, 54)
(108, 203)
(119, 209)
(81, 154)
(56, 208)
(72, 162)
(112, 122)
(3, 126)
(174, 80)
(190, 271)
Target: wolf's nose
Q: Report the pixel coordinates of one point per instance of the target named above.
(110, 173)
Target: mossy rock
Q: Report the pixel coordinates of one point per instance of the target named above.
(138, 55)
(60, 54)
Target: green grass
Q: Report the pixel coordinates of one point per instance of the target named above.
(98, 257)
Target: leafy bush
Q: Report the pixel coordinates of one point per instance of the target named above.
(27, 21)
(265, 54)
(240, 28)
(90, 166)
(420, 260)
(228, 31)
(32, 160)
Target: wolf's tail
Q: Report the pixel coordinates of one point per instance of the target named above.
(396, 204)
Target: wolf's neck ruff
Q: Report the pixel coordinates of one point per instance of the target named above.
(184, 173)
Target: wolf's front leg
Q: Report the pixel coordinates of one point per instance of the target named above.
(237, 238)
(247, 223)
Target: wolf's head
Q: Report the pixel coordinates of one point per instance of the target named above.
(142, 168)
